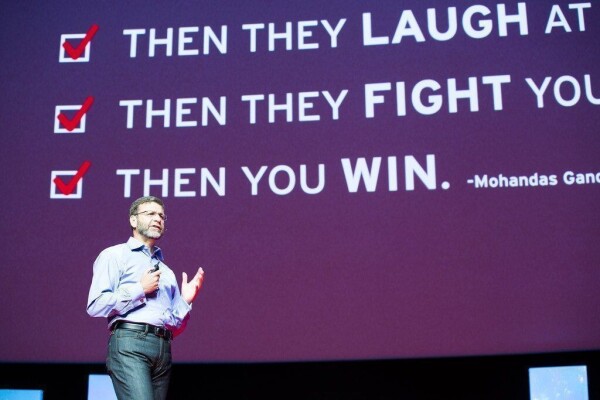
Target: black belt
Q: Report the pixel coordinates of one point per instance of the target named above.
(146, 328)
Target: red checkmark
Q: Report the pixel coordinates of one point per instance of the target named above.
(75, 52)
(71, 124)
(68, 188)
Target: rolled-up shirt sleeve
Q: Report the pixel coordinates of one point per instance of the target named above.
(176, 317)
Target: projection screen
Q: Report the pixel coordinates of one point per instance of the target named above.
(358, 179)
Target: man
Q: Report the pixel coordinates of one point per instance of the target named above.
(135, 290)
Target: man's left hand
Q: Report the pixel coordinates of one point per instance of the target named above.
(189, 290)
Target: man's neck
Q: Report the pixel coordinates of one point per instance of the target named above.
(149, 242)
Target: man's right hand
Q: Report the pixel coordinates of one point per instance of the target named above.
(150, 281)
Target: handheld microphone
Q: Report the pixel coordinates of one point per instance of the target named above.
(156, 267)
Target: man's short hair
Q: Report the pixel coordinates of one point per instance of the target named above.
(142, 200)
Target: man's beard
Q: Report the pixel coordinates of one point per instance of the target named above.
(152, 234)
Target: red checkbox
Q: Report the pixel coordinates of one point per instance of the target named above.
(71, 124)
(69, 187)
(76, 52)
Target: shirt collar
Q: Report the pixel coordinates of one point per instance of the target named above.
(136, 245)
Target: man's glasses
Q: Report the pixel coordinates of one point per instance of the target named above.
(153, 214)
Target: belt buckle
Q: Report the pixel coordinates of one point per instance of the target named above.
(160, 332)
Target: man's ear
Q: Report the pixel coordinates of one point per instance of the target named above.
(133, 221)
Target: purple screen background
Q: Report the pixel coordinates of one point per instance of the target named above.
(332, 275)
